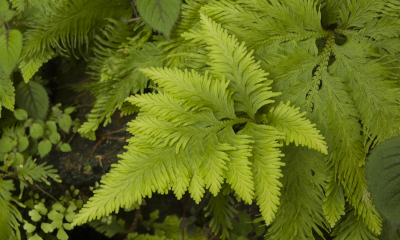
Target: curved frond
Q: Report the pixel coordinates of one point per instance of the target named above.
(66, 27)
(222, 210)
(195, 88)
(352, 227)
(334, 201)
(127, 79)
(300, 213)
(297, 129)
(265, 167)
(232, 62)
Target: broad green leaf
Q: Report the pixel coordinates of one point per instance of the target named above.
(44, 147)
(65, 122)
(52, 126)
(6, 15)
(35, 216)
(54, 137)
(29, 227)
(10, 49)
(20, 114)
(36, 130)
(23, 143)
(33, 98)
(6, 144)
(383, 178)
(70, 216)
(65, 147)
(69, 110)
(3, 5)
(62, 235)
(161, 15)
(46, 227)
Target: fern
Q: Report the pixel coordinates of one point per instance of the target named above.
(185, 137)
(10, 216)
(338, 66)
(66, 26)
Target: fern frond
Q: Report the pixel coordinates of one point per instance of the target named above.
(354, 14)
(7, 96)
(287, 119)
(30, 172)
(266, 167)
(222, 210)
(194, 88)
(166, 106)
(10, 215)
(239, 175)
(67, 27)
(334, 202)
(300, 213)
(347, 152)
(375, 94)
(352, 227)
(232, 61)
(127, 79)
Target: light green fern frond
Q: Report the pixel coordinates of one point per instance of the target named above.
(297, 129)
(195, 88)
(232, 62)
(334, 201)
(10, 215)
(266, 167)
(67, 27)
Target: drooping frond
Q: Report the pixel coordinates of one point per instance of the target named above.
(126, 79)
(297, 129)
(66, 27)
(352, 227)
(334, 201)
(10, 215)
(300, 212)
(220, 207)
(265, 167)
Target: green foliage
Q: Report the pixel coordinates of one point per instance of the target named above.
(10, 47)
(54, 218)
(33, 98)
(161, 15)
(382, 173)
(185, 138)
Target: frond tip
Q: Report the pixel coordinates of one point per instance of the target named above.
(297, 129)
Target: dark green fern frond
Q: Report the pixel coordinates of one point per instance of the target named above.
(67, 27)
(126, 79)
(300, 212)
(221, 208)
(10, 216)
